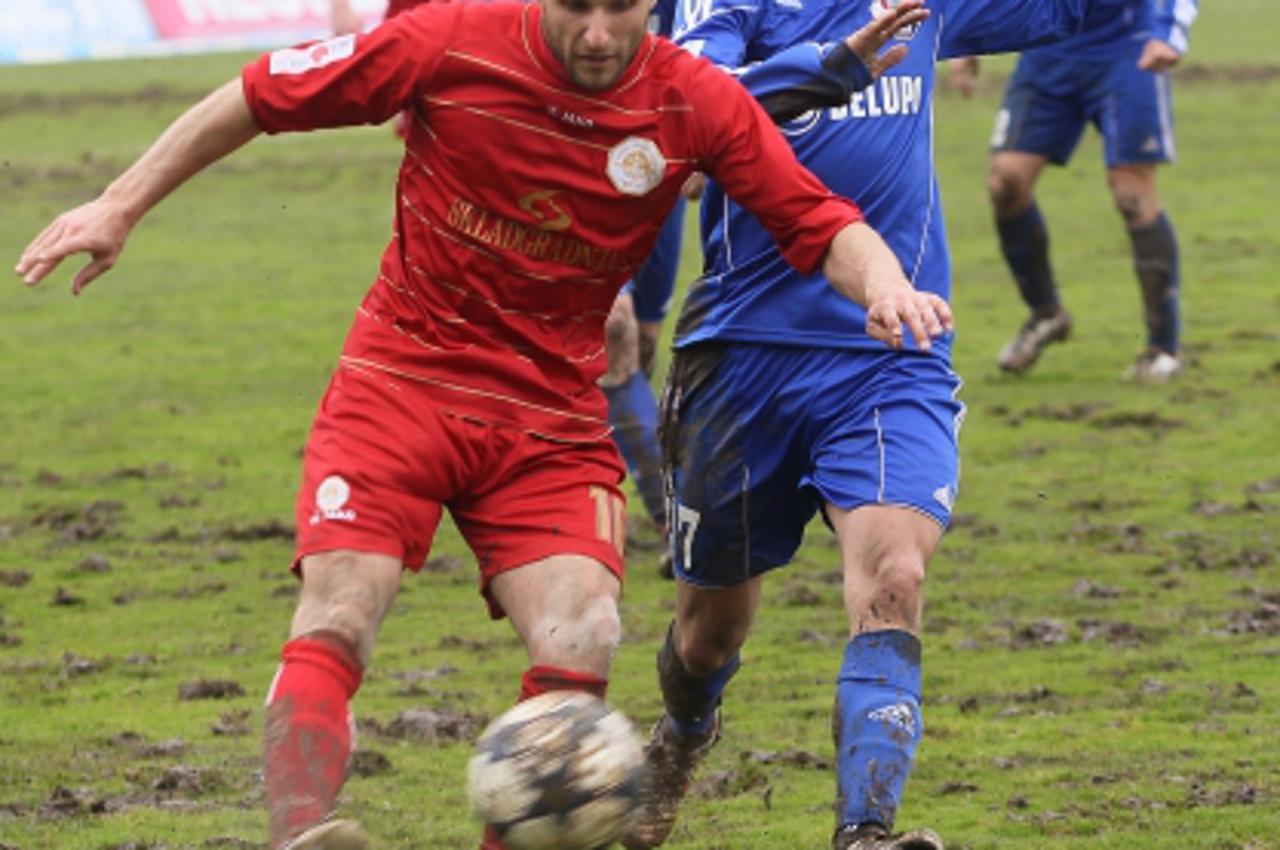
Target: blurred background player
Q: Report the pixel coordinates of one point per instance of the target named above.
(1117, 78)
(779, 405)
(634, 324)
(468, 378)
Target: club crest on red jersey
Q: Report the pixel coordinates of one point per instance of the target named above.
(636, 166)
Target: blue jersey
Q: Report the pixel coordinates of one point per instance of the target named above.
(875, 147)
(1124, 26)
(663, 17)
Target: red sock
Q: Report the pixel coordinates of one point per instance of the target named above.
(308, 731)
(536, 681)
(542, 678)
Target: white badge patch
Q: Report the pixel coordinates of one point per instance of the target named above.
(299, 60)
(331, 500)
(332, 493)
(636, 166)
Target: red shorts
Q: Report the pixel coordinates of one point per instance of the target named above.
(384, 458)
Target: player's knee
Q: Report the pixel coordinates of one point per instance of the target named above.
(898, 581)
(586, 640)
(1135, 207)
(703, 653)
(1010, 193)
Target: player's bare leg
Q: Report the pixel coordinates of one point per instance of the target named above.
(1024, 242)
(565, 610)
(878, 723)
(1155, 262)
(307, 741)
(695, 664)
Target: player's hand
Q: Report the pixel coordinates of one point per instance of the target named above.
(693, 186)
(962, 75)
(97, 228)
(343, 20)
(1158, 56)
(866, 42)
(924, 314)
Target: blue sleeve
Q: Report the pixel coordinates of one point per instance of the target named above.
(717, 29)
(804, 77)
(801, 77)
(971, 27)
(1172, 24)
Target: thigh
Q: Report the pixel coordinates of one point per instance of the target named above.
(537, 499)
(895, 441)
(732, 434)
(1134, 114)
(377, 467)
(1041, 112)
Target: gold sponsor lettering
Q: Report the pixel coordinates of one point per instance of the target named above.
(544, 242)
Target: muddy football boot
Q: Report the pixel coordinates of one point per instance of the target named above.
(670, 761)
(1154, 366)
(872, 836)
(1033, 337)
(331, 835)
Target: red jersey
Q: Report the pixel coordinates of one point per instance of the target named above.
(524, 202)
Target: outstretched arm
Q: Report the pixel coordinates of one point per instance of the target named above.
(862, 268)
(205, 133)
(808, 76)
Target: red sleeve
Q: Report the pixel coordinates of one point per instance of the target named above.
(746, 154)
(349, 79)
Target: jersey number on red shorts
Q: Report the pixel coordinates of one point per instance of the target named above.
(611, 517)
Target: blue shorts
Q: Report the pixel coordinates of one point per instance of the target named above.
(1049, 100)
(652, 286)
(756, 438)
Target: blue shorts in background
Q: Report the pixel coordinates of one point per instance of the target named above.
(756, 438)
(1049, 100)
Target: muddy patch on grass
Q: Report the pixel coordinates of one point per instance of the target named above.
(156, 94)
(14, 578)
(788, 758)
(210, 689)
(427, 726)
(93, 521)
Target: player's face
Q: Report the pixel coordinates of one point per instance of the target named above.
(595, 39)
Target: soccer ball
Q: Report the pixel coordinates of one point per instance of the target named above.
(561, 771)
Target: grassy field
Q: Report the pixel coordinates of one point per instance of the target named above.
(1103, 623)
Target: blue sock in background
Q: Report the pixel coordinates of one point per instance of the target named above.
(1155, 260)
(633, 413)
(1024, 241)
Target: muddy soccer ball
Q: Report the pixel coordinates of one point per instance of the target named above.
(560, 771)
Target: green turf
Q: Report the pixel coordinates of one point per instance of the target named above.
(1102, 629)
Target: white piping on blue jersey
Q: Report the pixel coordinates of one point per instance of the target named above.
(933, 177)
(1184, 13)
(880, 450)
(1165, 110)
(957, 423)
(728, 237)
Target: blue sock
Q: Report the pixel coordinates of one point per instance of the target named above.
(877, 725)
(1155, 260)
(633, 413)
(1024, 241)
(690, 700)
